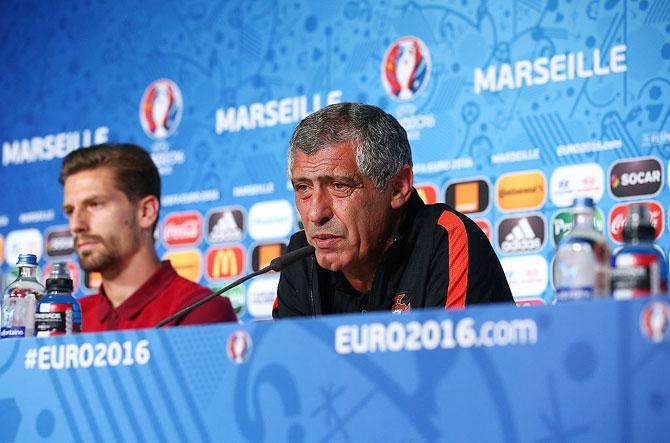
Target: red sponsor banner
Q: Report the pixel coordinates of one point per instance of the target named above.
(182, 228)
(485, 226)
(530, 301)
(427, 192)
(226, 262)
(619, 213)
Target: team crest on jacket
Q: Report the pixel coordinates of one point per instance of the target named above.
(399, 305)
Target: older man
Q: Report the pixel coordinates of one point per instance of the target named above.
(378, 247)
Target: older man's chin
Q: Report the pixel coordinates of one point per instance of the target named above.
(328, 260)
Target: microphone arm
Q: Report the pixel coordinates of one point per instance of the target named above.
(276, 264)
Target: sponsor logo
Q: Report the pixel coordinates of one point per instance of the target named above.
(637, 177)
(468, 197)
(406, 68)
(619, 214)
(270, 220)
(47, 147)
(59, 242)
(520, 191)
(562, 223)
(73, 270)
(528, 276)
(182, 228)
(224, 262)
(399, 305)
(542, 70)
(484, 225)
(187, 263)
(521, 234)
(655, 321)
(236, 296)
(427, 192)
(261, 296)
(225, 225)
(284, 111)
(92, 280)
(23, 241)
(161, 109)
(239, 346)
(583, 180)
(262, 255)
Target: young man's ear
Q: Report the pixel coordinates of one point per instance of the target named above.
(147, 209)
(401, 186)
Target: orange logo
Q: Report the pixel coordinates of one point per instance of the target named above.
(520, 191)
(427, 192)
(262, 255)
(225, 262)
(92, 280)
(188, 264)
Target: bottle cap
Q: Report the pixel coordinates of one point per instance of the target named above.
(27, 260)
(583, 202)
(638, 228)
(59, 278)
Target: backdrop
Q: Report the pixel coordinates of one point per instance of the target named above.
(512, 108)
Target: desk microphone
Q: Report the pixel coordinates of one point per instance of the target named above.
(276, 264)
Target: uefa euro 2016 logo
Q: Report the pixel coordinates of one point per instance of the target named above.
(239, 346)
(406, 68)
(161, 109)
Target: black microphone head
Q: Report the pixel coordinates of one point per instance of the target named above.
(281, 262)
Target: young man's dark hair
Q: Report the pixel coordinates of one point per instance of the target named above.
(134, 171)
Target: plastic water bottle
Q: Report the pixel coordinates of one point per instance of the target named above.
(58, 312)
(638, 268)
(20, 299)
(582, 264)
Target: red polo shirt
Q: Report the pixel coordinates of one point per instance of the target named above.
(162, 295)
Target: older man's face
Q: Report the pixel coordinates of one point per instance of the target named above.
(346, 218)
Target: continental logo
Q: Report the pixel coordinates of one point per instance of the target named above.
(187, 263)
(262, 255)
(521, 191)
(468, 197)
(225, 262)
(427, 192)
(636, 177)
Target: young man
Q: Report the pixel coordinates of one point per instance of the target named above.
(112, 199)
(377, 245)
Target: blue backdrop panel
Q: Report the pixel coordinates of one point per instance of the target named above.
(583, 372)
(512, 108)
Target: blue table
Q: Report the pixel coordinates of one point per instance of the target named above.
(596, 371)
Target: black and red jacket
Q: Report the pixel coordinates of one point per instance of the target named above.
(439, 258)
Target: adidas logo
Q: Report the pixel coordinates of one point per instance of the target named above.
(225, 229)
(521, 238)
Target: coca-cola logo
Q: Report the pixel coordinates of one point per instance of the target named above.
(184, 228)
(620, 213)
(485, 226)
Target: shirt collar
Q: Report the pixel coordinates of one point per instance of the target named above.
(149, 290)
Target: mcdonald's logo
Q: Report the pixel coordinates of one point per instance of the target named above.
(225, 262)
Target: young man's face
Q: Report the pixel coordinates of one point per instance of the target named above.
(346, 219)
(103, 221)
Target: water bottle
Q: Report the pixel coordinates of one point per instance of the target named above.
(582, 264)
(58, 312)
(20, 300)
(638, 268)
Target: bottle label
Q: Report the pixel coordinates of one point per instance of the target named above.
(54, 319)
(572, 294)
(636, 275)
(12, 332)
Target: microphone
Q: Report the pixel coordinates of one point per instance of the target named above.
(276, 264)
